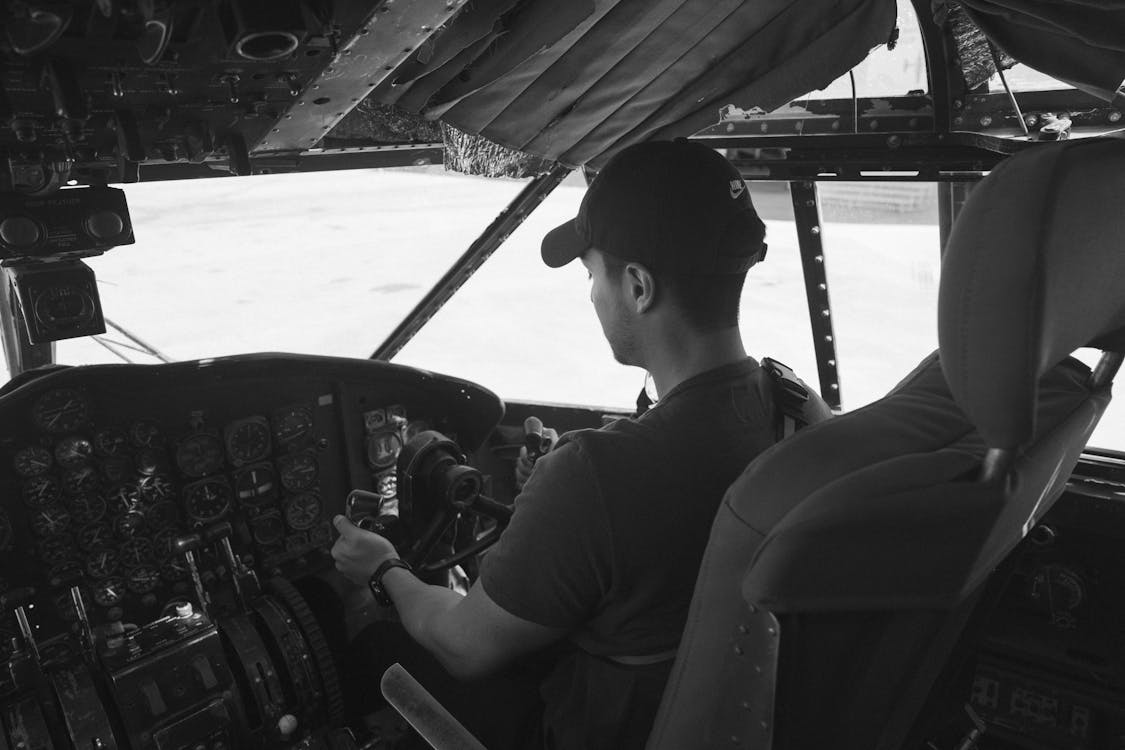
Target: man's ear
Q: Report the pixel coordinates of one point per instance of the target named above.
(640, 287)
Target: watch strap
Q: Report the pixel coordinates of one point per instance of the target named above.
(375, 582)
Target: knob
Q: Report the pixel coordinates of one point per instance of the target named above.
(20, 231)
(187, 543)
(216, 532)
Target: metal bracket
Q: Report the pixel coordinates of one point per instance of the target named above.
(20, 353)
(472, 259)
(806, 212)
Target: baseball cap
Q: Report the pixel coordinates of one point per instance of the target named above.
(670, 205)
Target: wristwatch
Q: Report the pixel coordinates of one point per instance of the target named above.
(375, 582)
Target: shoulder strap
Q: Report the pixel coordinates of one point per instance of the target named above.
(797, 405)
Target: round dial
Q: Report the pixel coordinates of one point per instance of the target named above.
(94, 536)
(174, 569)
(248, 440)
(298, 471)
(80, 481)
(135, 552)
(321, 535)
(74, 452)
(61, 410)
(255, 484)
(110, 442)
(49, 519)
(290, 425)
(199, 455)
(126, 525)
(207, 501)
(267, 530)
(383, 449)
(150, 460)
(144, 433)
(142, 579)
(6, 534)
(109, 592)
(56, 549)
(87, 509)
(32, 461)
(101, 563)
(156, 488)
(40, 491)
(163, 515)
(123, 497)
(302, 511)
(66, 573)
(116, 469)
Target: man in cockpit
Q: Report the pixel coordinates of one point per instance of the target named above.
(594, 575)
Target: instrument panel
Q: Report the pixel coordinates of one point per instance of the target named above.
(103, 468)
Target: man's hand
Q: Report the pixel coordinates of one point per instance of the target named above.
(359, 552)
(544, 438)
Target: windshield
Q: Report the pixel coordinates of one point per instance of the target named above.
(317, 263)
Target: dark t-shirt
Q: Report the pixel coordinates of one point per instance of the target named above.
(607, 538)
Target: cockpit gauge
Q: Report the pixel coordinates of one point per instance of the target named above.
(149, 461)
(383, 449)
(156, 488)
(65, 573)
(87, 509)
(32, 461)
(122, 498)
(302, 511)
(255, 484)
(109, 592)
(101, 563)
(40, 491)
(199, 454)
(163, 515)
(144, 433)
(126, 525)
(94, 536)
(290, 425)
(110, 442)
(56, 550)
(299, 471)
(267, 530)
(247, 440)
(61, 410)
(116, 469)
(208, 500)
(6, 534)
(49, 519)
(321, 535)
(142, 579)
(135, 552)
(80, 481)
(73, 452)
(174, 569)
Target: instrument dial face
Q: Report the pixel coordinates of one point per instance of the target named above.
(61, 410)
(383, 449)
(256, 484)
(40, 491)
(94, 536)
(49, 519)
(87, 509)
(290, 425)
(207, 501)
(163, 515)
(142, 579)
(298, 471)
(135, 552)
(247, 440)
(110, 442)
(174, 569)
(267, 530)
(109, 592)
(80, 481)
(6, 534)
(150, 461)
(56, 550)
(32, 461)
(156, 488)
(101, 563)
(126, 525)
(74, 452)
(199, 455)
(144, 433)
(302, 511)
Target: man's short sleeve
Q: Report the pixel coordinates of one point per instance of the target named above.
(552, 565)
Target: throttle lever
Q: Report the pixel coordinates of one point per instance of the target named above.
(187, 545)
(245, 580)
(17, 600)
(534, 440)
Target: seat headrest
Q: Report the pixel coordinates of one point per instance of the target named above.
(1034, 269)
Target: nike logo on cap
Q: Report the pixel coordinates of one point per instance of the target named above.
(736, 188)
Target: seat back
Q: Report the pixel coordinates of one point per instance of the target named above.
(844, 562)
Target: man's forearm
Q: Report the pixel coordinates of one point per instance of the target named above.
(424, 610)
